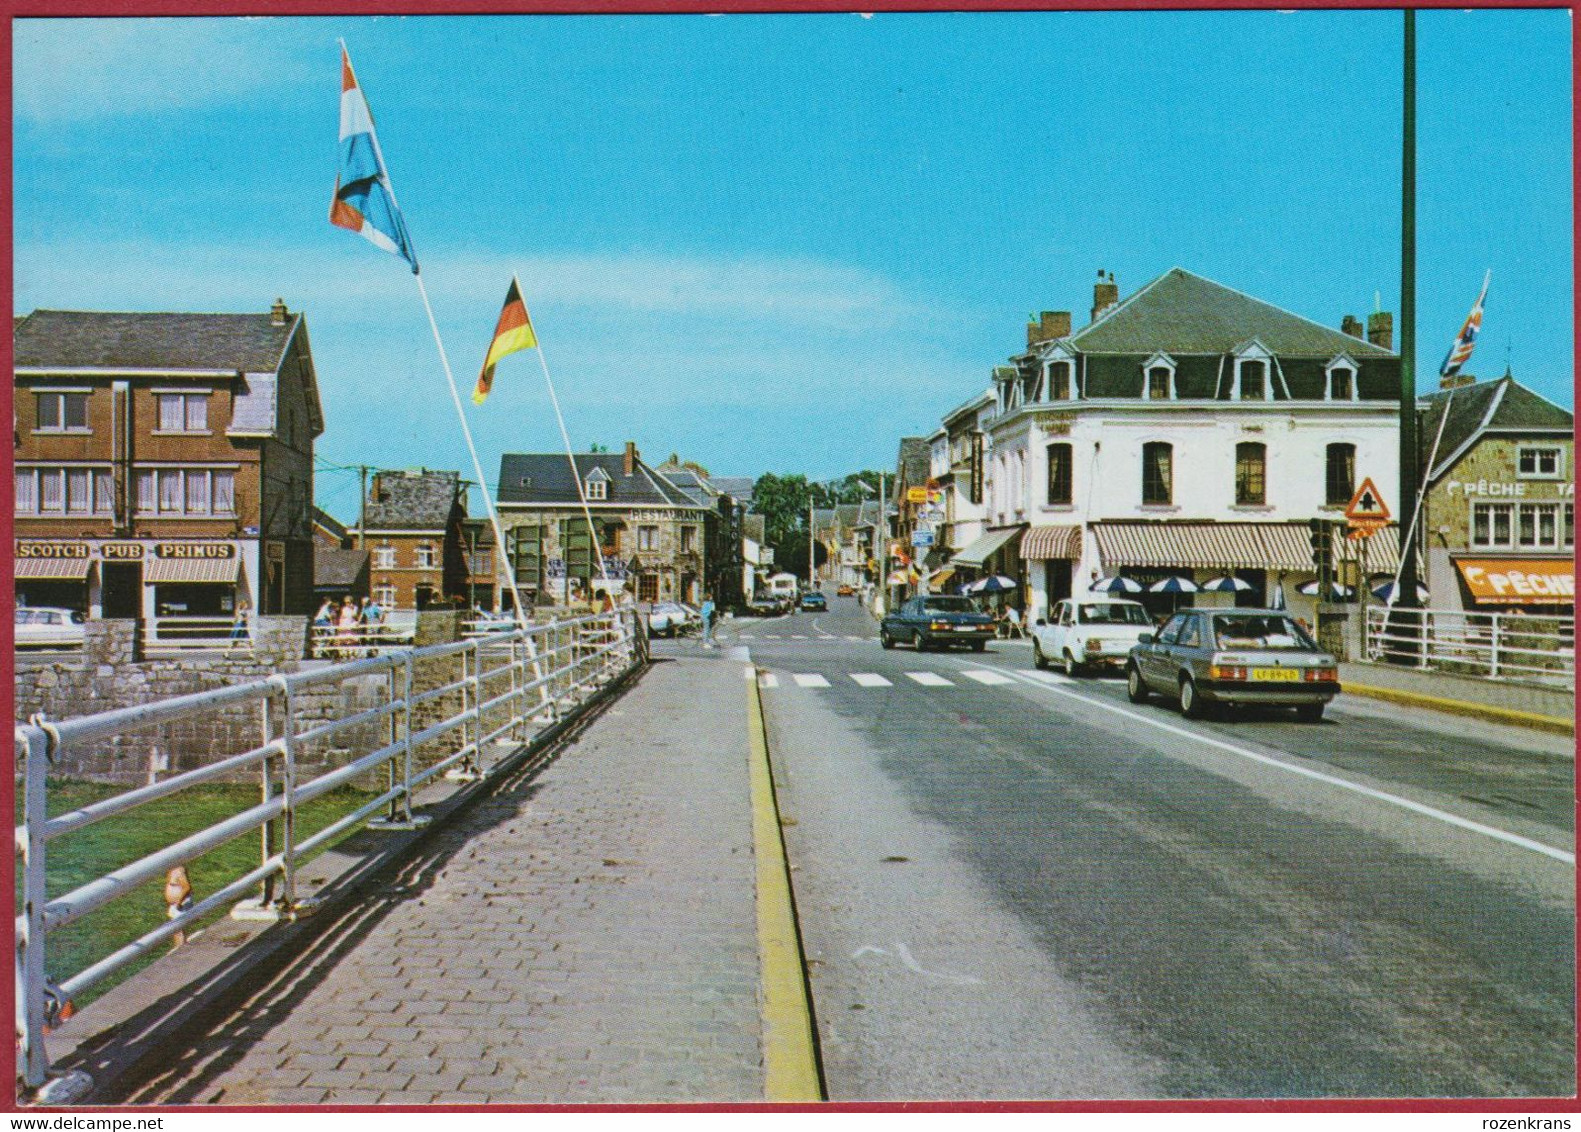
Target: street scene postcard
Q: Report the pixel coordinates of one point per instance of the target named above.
(795, 559)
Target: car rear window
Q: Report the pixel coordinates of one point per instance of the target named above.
(949, 605)
(1107, 613)
(1259, 631)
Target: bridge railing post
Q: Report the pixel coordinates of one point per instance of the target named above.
(406, 724)
(32, 1000)
(288, 802)
(266, 770)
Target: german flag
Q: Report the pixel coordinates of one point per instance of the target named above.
(514, 332)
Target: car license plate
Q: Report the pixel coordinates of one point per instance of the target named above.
(966, 628)
(1276, 674)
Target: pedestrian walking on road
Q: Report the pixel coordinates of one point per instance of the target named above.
(708, 620)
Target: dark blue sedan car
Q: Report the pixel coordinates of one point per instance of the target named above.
(814, 601)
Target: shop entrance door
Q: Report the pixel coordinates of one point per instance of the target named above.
(122, 589)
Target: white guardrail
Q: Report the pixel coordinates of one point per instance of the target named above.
(501, 686)
(1496, 645)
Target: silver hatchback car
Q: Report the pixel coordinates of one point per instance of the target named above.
(1233, 656)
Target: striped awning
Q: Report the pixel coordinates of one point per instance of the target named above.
(1051, 542)
(983, 549)
(1205, 546)
(53, 569)
(1382, 550)
(166, 570)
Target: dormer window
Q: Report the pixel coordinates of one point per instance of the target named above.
(1059, 384)
(1253, 377)
(1158, 378)
(1340, 379)
(597, 485)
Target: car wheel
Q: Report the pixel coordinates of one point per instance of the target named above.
(923, 644)
(1072, 669)
(885, 639)
(1135, 686)
(1038, 659)
(1310, 713)
(1191, 704)
(979, 646)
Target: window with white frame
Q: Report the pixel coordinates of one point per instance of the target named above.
(1251, 378)
(1540, 463)
(1158, 378)
(647, 538)
(64, 491)
(384, 557)
(62, 411)
(384, 594)
(426, 556)
(597, 490)
(1341, 380)
(1522, 526)
(688, 540)
(1059, 383)
(186, 491)
(183, 412)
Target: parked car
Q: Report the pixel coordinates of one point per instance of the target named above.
(667, 618)
(937, 620)
(1241, 656)
(1092, 632)
(765, 604)
(814, 601)
(41, 625)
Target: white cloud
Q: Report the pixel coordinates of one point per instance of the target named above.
(64, 70)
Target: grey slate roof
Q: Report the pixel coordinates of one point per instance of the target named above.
(413, 500)
(1184, 313)
(545, 478)
(1503, 405)
(915, 457)
(250, 343)
(334, 568)
(738, 488)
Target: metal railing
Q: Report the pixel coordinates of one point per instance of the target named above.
(435, 710)
(172, 635)
(1495, 645)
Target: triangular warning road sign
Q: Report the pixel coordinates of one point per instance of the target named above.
(1367, 504)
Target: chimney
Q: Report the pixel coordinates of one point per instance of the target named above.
(1380, 329)
(277, 313)
(1456, 380)
(630, 466)
(1050, 325)
(1351, 325)
(1105, 294)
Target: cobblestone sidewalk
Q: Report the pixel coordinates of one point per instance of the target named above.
(587, 935)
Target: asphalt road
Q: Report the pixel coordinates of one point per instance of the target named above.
(1014, 885)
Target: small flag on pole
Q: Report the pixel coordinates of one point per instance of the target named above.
(364, 201)
(514, 332)
(1466, 340)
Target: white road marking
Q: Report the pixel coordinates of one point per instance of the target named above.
(747, 636)
(768, 680)
(931, 679)
(987, 677)
(870, 680)
(809, 680)
(849, 638)
(911, 964)
(1316, 775)
(798, 636)
(748, 672)
(1049, 677)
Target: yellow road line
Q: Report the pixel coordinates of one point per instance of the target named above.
(1552, 723)
(790, 1060)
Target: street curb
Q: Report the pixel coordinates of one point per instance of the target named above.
(131, 1033)
(790, 1055)
(1512, 716)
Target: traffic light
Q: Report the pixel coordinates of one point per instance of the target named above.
(1321, 532)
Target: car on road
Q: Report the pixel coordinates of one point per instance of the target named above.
(814, 601)
(668, 618)
(937, 620)
(765, 604)
(1208, 657)
(46, 626)
(1088, 633)
(845, 591)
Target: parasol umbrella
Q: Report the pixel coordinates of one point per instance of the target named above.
(993, 584)
(1116, 585)
(1278, 601)
(1388, 592)
(1337, 592)
(1174, 585)
(1229, 584)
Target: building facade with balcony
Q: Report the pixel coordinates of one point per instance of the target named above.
(411, 527)
(164, 465)
(1189, 431)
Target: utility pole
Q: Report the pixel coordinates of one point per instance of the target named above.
(811, 541)
(1409, 470)
(362, 514)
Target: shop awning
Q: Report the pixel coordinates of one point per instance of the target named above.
(53, 569)
(1519, 581)
(983, 549)
(167, 570)
(1205, 546)
(1382, 550)
(1051, 542)
(940, 578)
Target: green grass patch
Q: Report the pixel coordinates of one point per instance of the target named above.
(78, 857)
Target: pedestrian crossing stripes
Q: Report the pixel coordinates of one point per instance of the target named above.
(809, 680)
(930, 680)
(870, 680)
(989, 678)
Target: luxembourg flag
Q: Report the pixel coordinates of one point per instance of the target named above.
(1466, 341)
(364, 202)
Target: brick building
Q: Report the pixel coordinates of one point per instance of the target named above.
(412, 529)
(164, 464)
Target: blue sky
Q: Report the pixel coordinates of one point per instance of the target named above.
(779, 243)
